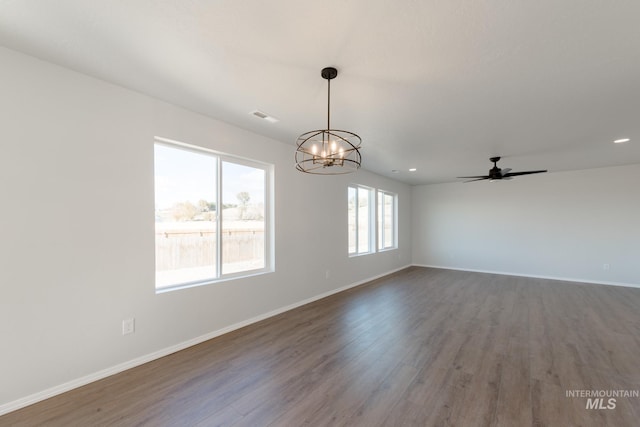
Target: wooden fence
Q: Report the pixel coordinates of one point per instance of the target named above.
(197, 248)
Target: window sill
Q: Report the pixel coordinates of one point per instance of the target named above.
(171, 288)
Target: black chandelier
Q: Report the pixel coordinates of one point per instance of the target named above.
(328, 151)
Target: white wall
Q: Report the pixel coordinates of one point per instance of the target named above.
(77, 231)
(558, 225)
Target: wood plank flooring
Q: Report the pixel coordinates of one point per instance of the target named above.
(421, 347)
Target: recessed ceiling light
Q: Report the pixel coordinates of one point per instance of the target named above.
(413, 170)
(620, 141)
(264, 116)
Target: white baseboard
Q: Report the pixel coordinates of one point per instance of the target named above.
(534, 276)
(79, 382)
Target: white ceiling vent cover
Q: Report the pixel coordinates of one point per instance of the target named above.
(264, 116)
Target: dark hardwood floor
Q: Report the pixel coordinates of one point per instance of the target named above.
(421, 347)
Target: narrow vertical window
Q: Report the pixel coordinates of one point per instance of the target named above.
(360, 219)
(243, 218)
(364, 220)
(185, 216)
(387, 220)
(353, 220)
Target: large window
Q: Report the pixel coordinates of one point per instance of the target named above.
(211, 216)
(386, 220)
(360, 212)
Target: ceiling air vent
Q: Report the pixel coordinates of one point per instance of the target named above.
(264, 116)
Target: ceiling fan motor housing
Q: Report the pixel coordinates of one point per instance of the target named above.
(495, 173)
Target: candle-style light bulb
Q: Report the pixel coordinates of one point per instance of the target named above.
(314, 149)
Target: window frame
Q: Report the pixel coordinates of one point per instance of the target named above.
(269, 265)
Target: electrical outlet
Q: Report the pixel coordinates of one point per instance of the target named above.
(606, 267)
(128, 326)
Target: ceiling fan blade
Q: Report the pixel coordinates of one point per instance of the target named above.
(522, 173)
(479, 179)
(505, 171)
(478, 176)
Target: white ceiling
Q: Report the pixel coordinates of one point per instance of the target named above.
(436, 85)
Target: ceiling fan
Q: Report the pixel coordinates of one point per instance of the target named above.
(495, 173)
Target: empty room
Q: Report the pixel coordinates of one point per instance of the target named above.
(338, 213)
